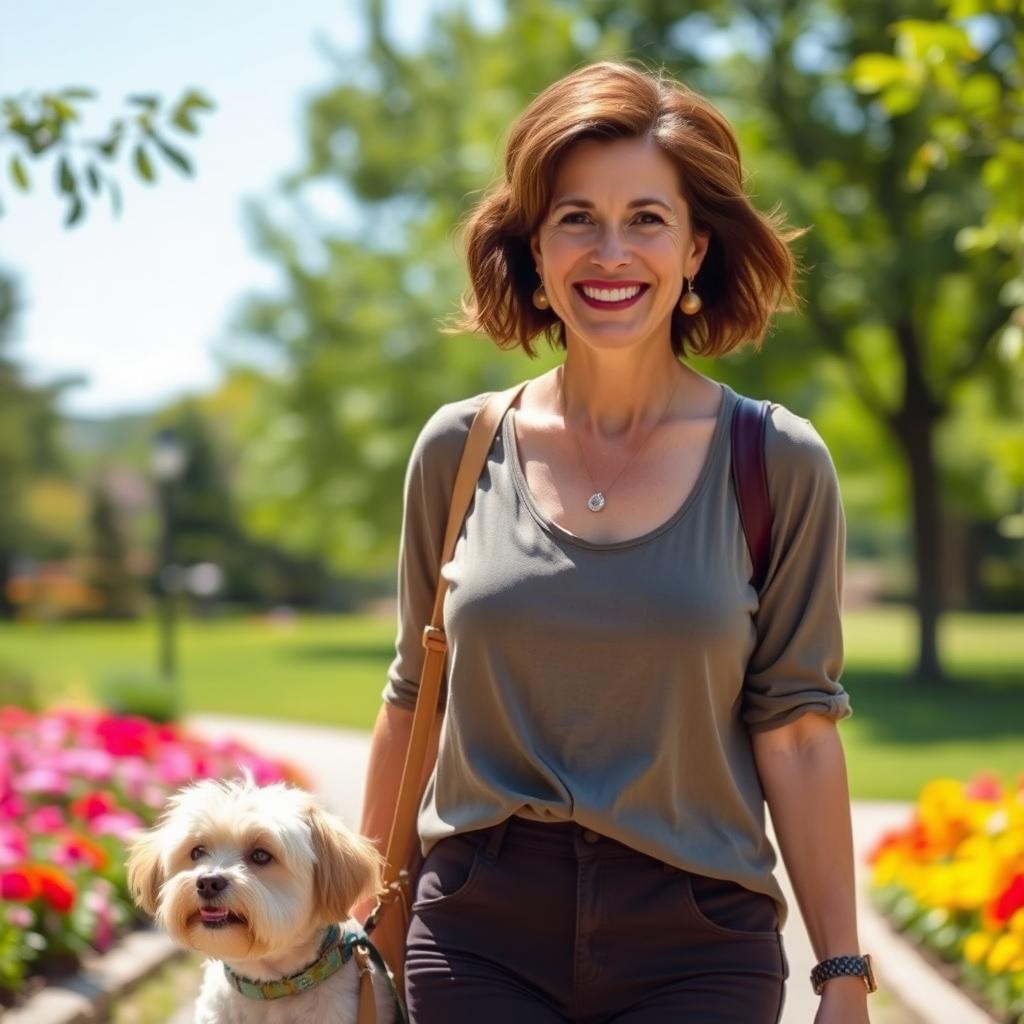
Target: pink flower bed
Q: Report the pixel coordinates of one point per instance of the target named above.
(73, 784)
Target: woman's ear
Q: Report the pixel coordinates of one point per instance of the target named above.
(535, 252)
(348, 866)
(699, 249)
(145, 869)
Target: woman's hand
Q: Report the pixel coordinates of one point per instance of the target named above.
(843, 1001)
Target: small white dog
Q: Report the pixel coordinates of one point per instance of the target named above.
(258, 878)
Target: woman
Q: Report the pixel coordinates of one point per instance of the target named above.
(620, 700)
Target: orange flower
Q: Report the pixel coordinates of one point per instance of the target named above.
(56, 887)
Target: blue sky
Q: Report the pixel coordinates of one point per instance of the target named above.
(137, 303)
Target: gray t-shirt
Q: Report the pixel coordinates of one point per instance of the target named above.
(616, 684)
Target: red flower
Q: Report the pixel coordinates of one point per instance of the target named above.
(76, 849)
(92, 805)
(19, 884)
(1009, 901)
(127, 737)
(57, 888)
(887, 840)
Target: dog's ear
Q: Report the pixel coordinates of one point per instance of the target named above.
(348, 866)
(144, 870)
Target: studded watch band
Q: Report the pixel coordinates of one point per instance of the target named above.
(840, 966)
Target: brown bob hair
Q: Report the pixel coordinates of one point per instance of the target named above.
(748, 270)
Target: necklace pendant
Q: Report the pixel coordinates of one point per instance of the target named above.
(596, 502)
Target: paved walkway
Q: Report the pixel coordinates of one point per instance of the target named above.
(335, 760)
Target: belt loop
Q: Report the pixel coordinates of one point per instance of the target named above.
(495, 839)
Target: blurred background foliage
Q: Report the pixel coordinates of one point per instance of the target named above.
(895, 130)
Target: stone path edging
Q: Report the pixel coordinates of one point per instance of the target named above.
(86, 997)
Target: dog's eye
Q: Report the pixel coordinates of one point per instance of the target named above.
(197, 852)
(261, 857)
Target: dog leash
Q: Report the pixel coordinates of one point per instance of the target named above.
(357, 943)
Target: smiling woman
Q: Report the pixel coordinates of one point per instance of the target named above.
(746, 271)
(624, 690)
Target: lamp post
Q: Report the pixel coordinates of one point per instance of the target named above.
(167, 463)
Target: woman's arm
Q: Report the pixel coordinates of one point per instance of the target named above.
(386, 761)
(803, 775)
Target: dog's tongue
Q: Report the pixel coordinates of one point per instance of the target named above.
(214, 914)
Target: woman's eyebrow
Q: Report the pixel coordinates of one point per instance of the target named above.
(588, 205)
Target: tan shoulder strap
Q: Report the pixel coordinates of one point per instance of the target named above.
(474, 455)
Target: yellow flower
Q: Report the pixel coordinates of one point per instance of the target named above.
(977, 945)
(1006, 949)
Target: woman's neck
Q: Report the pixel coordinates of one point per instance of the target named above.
(620, 399)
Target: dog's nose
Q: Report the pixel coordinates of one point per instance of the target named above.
(209, 885)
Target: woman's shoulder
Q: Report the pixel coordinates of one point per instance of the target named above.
(794, 450)
(443, 436)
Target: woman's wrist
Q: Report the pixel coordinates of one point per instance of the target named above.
(849, 988)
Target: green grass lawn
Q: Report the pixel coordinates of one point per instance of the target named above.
(332, 669)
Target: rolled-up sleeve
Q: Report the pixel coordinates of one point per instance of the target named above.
(429, 478)
(798, 657)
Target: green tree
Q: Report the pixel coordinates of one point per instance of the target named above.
(29, 441)
(34, 125)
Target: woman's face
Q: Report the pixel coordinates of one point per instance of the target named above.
(616, 242)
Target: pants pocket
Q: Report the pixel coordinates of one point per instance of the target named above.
(450, 871)
(728, 908)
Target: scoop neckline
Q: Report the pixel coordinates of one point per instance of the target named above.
(551, 527)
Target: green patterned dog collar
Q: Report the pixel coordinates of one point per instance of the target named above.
(331, 956)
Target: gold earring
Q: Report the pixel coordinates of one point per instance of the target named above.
(540, 298)
(690, 302)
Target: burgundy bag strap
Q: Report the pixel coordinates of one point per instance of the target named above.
(750, 480)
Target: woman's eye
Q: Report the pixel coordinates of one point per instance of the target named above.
(197, 852)
(567, 219)
(261, 857)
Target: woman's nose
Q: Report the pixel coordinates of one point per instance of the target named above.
(610, 250)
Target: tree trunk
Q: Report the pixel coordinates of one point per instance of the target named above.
(6, 569)
(914, 426)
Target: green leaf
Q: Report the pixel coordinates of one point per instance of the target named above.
(174, 155)
(194, 98)
(78, 92)
(75, 213)
(933, 41)
(182, 119)
(144, 165)
(18, 174)
(94, 177)
(901, 99)
(871, 72)
(148, 100)
(65, 176)
(62, 110)
(109, 147)
(980, 94)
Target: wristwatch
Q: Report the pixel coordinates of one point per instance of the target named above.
(838, 966)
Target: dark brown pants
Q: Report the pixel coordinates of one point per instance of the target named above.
(532, 922)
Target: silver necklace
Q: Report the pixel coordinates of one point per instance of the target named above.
(597, 500)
